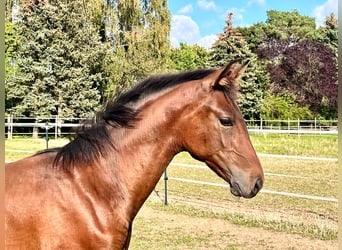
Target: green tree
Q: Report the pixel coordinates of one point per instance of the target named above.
(140, 42)
(100, 13)
(283, 25)
(12, 43)
(158, 19)
(231, 45)
(289, 26)
(328, 33)
(188, 57)
(297, 63)
(11, 9)
(129, 63)
(308, 71)
(59, 62)
(283, 106)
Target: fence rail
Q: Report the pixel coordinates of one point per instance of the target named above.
(290, 124)
(304, 196)
(62, 126)
(295, 195)
(262, 126)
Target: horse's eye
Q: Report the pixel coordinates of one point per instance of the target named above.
(226, 121)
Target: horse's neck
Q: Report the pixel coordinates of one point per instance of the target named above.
(149, 148)
(141, 164)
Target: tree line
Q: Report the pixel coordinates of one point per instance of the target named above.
(67, 58)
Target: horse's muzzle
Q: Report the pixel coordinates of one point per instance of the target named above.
(238, 190)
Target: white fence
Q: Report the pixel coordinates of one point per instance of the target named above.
(41, 126)
(58, 127)
(55, 127)
(295, 195)
(315, 126)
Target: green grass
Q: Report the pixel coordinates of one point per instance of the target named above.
(320, 177)
(306, 145)
(321, 180)
(30, 145)
(188, 226)
(310, 218)
(289, 144)
(278, 224)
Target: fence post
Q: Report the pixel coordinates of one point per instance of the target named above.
(56, 130)
(165, 187)
(47, 134)
(10, 126)
(260, 123)
(298, 126)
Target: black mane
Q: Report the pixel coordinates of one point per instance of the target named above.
(92, 140)
(119, 111)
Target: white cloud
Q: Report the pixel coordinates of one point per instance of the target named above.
(237, 14)
(186, 30)
(186, 9)
(257, 2)
(183, 29)
(324, 10)
(206, 5)
(207, 41)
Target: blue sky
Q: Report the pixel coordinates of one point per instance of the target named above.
(199, 21)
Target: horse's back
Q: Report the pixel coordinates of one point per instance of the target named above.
(27, 195)
(27, 176)
(49, 208)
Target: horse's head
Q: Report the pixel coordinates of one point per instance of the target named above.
(217, 134)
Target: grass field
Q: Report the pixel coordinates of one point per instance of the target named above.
(312, 220)
(304, 145)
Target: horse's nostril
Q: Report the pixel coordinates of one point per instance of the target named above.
(258, 184)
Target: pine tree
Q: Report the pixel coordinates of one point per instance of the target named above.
(12, 43)
(231, 45)
(328, 33)
(59, 62)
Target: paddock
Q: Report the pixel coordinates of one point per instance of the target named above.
(296, 208)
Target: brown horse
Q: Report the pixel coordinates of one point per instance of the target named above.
(86, 194)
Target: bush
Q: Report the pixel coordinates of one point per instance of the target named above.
(283, 107)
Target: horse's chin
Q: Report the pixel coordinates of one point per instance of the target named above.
(235, 188)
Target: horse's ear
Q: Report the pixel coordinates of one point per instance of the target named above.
(227, 75)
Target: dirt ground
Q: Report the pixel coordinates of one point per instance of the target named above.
(225, 235)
